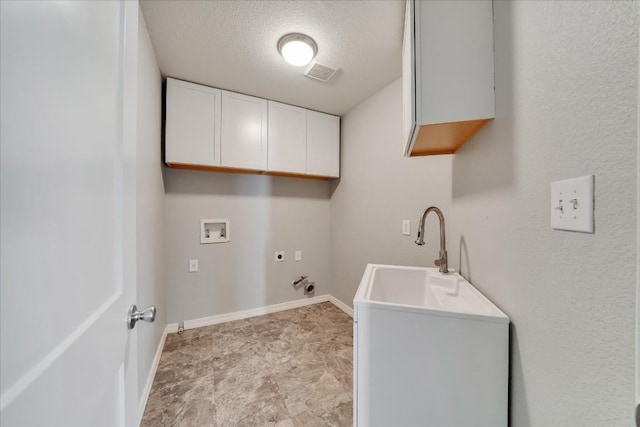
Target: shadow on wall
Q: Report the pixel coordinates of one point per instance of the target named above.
(464, 266)
(515, 371)
(230, 184)
(486, 163)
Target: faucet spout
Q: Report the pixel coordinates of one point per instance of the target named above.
(442, 261)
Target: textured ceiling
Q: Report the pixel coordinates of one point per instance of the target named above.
(232, 45)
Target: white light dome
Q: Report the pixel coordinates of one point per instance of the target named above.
(297, 49)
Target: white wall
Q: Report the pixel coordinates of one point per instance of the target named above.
(150, 205)
(267, 214)
(566, 99)
(378, 188)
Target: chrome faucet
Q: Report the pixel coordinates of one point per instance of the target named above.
(442, 261)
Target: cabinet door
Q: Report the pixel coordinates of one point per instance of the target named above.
(454, 61)
(323, 144)
(287, 138)
(193, 124)
(244, 131)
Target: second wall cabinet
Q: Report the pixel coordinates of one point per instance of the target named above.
(447, 74)
(303, 142)
(244, 131)
(218, 130)
(323, 144)
(287, 138)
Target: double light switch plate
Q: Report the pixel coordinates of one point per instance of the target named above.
(572, 204)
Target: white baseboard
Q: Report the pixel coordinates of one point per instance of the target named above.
(245, 314)
(342, 306)
(152, 374)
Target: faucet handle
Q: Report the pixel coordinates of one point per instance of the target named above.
(438, 262)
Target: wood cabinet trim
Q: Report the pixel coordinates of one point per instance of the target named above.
(247, 171)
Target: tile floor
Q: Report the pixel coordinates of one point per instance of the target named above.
(291, 368)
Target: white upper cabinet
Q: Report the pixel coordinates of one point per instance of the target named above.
(192, 134)
(323, 144)
(243, 131)
(447, 69)
(287, 138)
(214, 129)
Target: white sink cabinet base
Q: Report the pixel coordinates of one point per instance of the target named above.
(415, 365)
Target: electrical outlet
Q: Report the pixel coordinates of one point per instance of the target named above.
(193, 265)
(298, 255)
(572, 204)
(406, 227)
(279, 256)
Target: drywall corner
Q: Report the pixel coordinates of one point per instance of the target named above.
(150, 206)
(377, 190)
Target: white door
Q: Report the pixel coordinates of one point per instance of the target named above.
(67, 203)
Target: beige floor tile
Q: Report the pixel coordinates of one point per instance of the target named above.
(286, 369)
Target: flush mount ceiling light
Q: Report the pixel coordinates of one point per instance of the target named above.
(297, 49)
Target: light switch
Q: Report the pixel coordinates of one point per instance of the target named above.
(193, 265)
(298, 255)
(572, 204)
(406, 227)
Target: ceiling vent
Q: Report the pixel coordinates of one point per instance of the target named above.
(319, 72)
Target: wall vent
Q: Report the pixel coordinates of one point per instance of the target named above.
(319, 72)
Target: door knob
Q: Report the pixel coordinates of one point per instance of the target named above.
(147, 315)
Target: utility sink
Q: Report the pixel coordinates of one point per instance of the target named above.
(405, 287)
(429, 349)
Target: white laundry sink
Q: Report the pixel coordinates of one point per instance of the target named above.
(429, 349)
(425, 288)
